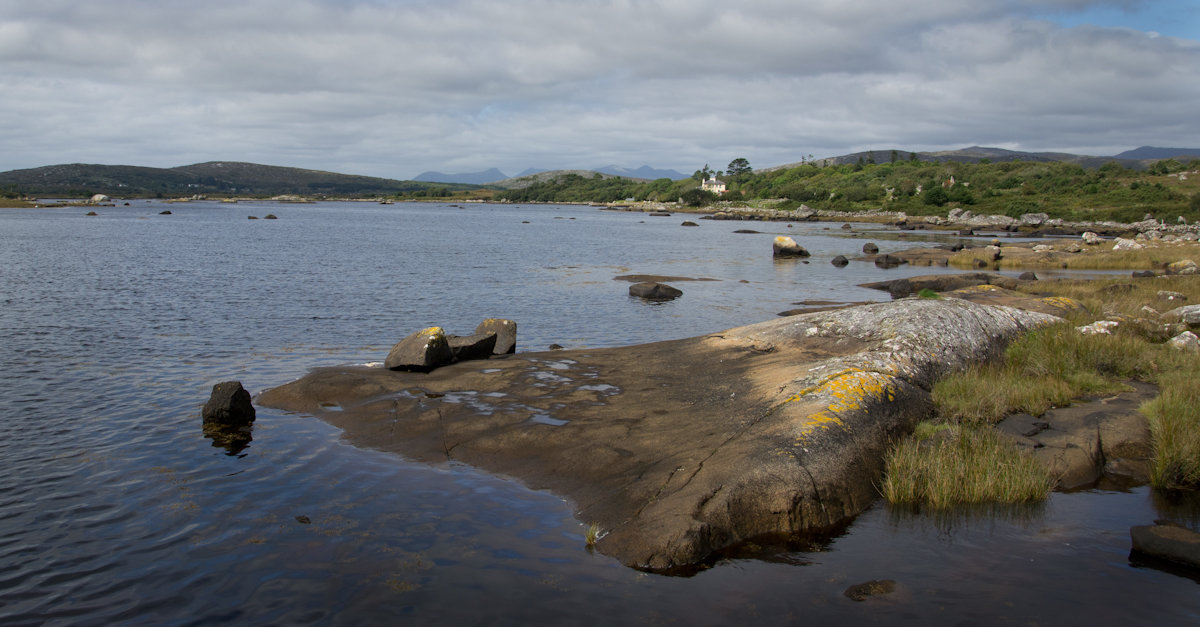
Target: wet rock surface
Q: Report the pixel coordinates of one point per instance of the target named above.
(1169, 542)
(679, 449)
(1102, 441)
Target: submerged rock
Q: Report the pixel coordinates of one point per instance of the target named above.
(870, 248)
(840, 261)
(888, 261)
(654, 291)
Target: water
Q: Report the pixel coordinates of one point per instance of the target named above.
(114, 506)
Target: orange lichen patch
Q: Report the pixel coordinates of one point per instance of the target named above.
(851, 389)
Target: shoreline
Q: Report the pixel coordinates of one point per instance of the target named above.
(682, 449)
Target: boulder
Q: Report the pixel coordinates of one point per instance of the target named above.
(1091, 238)
(1186, 266)
(1143, 274)
(888, 261)
(420, 352)
(1127, 244)
(229, 405)
(1100, 327)
(1170, 296)
(900, 288)
(840, 261)
(1028, 276)
(1186, 341)
(506, 334)
(870, 248)
(1043, 248)
(477, 346)
(1073, 247)
(1188, 314)
(688, 223)
(785, 246)
(654, 291)
(1169, 542)
(1034, 219)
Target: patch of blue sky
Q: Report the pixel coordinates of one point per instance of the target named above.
(1172, 18)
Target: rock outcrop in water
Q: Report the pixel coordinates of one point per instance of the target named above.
(654, 291)
(229, 404)
(683, 448)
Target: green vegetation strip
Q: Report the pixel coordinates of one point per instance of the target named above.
(959, 458)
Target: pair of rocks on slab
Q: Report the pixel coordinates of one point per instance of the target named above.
(785, 246)
(432, 348)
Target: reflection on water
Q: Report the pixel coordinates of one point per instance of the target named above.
(116, 508)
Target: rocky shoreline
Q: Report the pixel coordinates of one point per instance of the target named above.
(781, 431)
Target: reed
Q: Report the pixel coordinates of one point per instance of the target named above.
(1175, 429)
(966, 465)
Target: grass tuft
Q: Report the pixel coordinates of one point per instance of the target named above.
(968, 465)
(1175, 428)
(592, 535)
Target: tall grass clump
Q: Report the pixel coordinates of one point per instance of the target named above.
(1175, 428)
(1043, 369)
(969, 465)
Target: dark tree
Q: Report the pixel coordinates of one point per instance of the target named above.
(737, 168)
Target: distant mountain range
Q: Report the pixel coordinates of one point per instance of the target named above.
(1139, 158)
(1150, 152)
(465, 178)
(251, 179)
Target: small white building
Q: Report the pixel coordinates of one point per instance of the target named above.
(713, 185)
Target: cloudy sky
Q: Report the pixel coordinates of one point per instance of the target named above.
(393, 88)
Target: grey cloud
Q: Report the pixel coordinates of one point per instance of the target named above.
(394, 88)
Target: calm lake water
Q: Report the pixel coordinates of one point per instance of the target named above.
(115, 508)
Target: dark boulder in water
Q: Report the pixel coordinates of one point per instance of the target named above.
(870, 248)
(888, 261)
(840, 261)
(229, 404)
(654, 291)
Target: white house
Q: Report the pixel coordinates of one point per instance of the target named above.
(713, 185)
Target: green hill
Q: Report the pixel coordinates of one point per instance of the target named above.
(222, 178)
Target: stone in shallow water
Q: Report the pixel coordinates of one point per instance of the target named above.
(654, 291)
(229, 404)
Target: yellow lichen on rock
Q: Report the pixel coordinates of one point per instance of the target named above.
(851, 389)
(1064, 303)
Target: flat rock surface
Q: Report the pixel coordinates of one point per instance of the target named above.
(682, 448)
